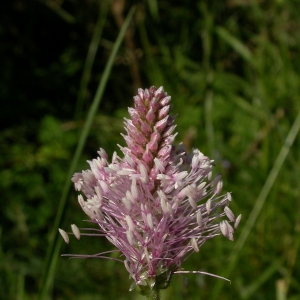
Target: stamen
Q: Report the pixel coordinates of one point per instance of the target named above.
(64, 235)
(76, 231)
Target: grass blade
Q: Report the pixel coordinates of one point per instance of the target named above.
(59, 11)
(55, 242)
(86, 74)
(233, 259)
(236, 44)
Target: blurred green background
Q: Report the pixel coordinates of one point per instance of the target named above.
(232, 68)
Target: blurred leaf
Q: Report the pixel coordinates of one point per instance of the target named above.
(235, 43)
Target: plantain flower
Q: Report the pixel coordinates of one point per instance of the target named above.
(156, 203)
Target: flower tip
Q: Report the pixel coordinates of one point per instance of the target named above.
(158, 91)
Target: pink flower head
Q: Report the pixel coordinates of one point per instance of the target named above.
(156, 203)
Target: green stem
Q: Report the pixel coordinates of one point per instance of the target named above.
(153, 294)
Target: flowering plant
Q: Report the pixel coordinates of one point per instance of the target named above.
(157, 203)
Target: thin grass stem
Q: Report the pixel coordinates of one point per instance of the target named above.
(90, 58)
(233, 259)
(55, 242)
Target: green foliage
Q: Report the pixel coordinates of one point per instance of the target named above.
(232, 69)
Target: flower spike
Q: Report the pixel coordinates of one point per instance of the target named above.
(157, 203)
